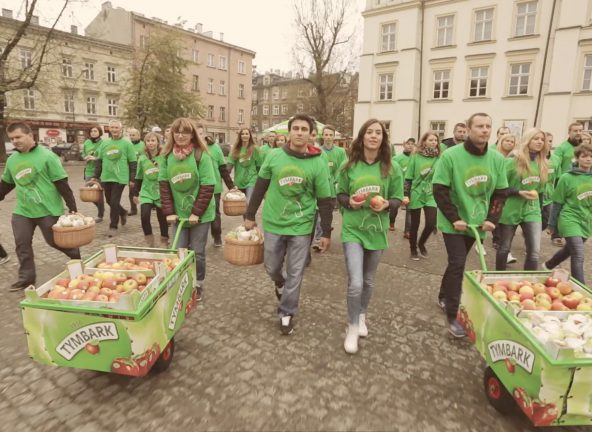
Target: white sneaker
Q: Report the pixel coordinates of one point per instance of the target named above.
(511, 259)
(351, 339)
(477, 250)
(362, 329)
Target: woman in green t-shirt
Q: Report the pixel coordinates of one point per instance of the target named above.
(147, 192)
(89, 154)
(571, 215)
(368, 186)
(244, 157)
(527, 173)
(506, 144)
(418, 191)
(187, 182)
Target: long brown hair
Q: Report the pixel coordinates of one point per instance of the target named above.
(238, 145)
(522, 155)
(421, 145)
(356, 149)
(183, 124)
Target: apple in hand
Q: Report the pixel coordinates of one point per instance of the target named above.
(360, 197)
(377, 202)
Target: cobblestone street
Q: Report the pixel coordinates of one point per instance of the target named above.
(234, 371)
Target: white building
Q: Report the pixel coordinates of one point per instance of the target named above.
(430, 64)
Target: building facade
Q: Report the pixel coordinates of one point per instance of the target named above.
(218, 73)
(428, 64)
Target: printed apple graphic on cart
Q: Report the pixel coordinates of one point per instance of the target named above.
(293, 183)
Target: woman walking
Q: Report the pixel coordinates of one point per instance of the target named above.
(368, 186)
(147, 191)
(187, 182)
(418, 191)
(526, 173)
(245, 158)
(89, 154)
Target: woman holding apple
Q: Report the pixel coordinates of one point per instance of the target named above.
(527, 172)
(366, 177)
(419, 194)
(90, 149)
(187, 179)
(245, 158)
(571, 214)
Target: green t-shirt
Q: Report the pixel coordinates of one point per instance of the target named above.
(295, 185)
(336, 156)
(90, 148)
(116, 156)
(148, 171)
(566, 154)
(245, 169)
(420, 170)
(218, 160)
(472, 180)
(364, 225)
(264, 150)
(403, 161)
(185, 178)
(574, 192)
(517, 209)
(139, 148)
(554, 172)
(33, 174)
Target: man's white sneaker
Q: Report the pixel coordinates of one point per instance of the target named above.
(511, 259)
(362, 329)
(351, 339)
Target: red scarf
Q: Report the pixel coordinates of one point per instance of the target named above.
(181, 152)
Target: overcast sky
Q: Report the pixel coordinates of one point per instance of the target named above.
(264, 26)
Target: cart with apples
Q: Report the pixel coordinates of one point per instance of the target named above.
(118, 311)
(534, 331)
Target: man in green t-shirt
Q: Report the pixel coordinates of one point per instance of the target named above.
(41, 184)
(296, 180)
(139, 145)
(458, 136)
(403, 161)
(116, 167)
(469, 187)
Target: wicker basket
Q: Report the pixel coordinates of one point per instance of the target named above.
(234, 208)
(89, 194)
(244, 253)
(73, 237)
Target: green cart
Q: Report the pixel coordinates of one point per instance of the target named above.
(550, 383)
(127, 337)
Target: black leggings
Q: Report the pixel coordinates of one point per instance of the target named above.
(146, 213)
(429, 225)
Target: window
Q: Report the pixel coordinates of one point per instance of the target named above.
(254, 111)
(29, 99)
(525, 18)
(388, 37)
(111, 77)
(210, 112)
(276, 110)
(439, 127)
(222, 114)
(275, 92)
(112, 105)
(266, 80)
(241, 116)
(89, 71)
(211, 60)
(385, 89)
(441, 84)
(195, 83)
(387, 126)
(91, 105)
(300, 107)
(241, 67)
(69, 103)
(264, 125)
(67, 68)
(483, 25)
(241, 91)
(284, 93)
(284, 109)
(519, 74)
(195, 56)
(26, 58)
(222, 63)
(265, 94)
(478, 84)
(587, 82)
(222, 88)
(265, 109)
(444, 32)
(143, 42)
(210, 85)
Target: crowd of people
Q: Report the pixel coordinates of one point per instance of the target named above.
(457, 183)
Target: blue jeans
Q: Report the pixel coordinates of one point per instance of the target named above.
(574, 248)
(294, 249)
(532, 241)
(195, 238)
(361, 267)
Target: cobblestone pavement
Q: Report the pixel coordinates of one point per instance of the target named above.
(233, 370)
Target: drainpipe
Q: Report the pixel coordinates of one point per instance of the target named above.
(422, 9)
(540, 95)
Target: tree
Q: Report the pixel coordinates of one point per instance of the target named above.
(22, 74)
(156, 92)
(323, 48)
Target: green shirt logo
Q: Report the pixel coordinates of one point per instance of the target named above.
(476, 181)
(292, 181)
(25, 175)
(531, 180)
(584, 194)
(113, 153)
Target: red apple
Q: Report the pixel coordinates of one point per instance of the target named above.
(92, 348)
(538, 288)
(513, 296)
(557, 305)
(551, 281)
(63, 282)
(528, 304)
(526, 289)
(564, 288)
(361, 197)
(106, 291)
(120, 277)
(526, 296)
(109, 283)
(514, 286)
(510, 366)
(545, 297)
(377, 202)
(553, 292)
(76, 294)
(89, 296)
(570, 301)
(102, 298)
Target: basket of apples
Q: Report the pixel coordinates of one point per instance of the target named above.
(234, 203)
(73, 230)
(244, 247)
(91, 192)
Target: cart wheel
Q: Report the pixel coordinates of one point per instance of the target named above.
(166, 357)
(497, 394)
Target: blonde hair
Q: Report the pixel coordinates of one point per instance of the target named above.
(587, 135)
(158, 144)
(522, 155)
(183, 124)
(502, 139)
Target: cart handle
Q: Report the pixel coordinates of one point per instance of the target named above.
(180, 223)
(473, 229)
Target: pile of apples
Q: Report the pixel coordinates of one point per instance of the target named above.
(138, 264)
(100, 287)
(552, 295)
